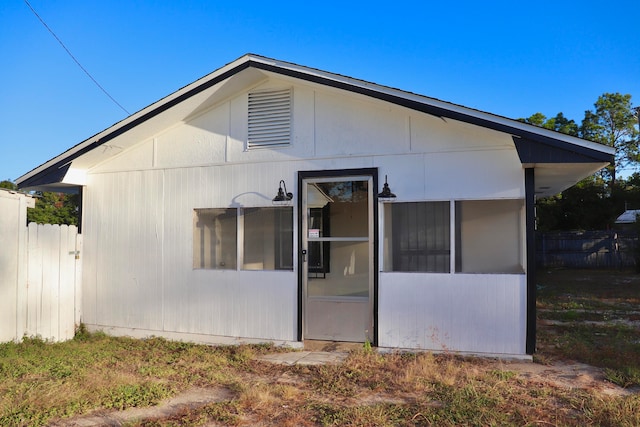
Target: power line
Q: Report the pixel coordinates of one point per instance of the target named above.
(74, 59)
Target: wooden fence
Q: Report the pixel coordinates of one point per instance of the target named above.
(53, 281)
(588, 249)
(40, 273)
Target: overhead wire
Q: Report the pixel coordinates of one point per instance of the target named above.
(74, 58)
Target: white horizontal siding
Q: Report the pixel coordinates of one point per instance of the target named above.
(477, 313)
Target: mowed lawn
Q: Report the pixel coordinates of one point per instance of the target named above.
(585, 316)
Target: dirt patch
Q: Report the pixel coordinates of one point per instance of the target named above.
(190, 399)
(567, 375)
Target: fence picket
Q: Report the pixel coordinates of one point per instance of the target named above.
(66, 306)
(34, 280)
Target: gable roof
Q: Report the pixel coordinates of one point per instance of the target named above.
(536, 146)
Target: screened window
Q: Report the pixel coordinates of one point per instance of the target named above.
(488, 236)
(214, 239)
(267, 242)
(268, 238)
(269, 118)
(417, 237)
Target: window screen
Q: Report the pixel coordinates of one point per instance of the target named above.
(214, 239)
(417, 237)
(268, 238)
(488, 236)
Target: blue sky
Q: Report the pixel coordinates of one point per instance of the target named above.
(508, 58)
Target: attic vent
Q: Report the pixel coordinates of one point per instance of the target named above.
(269, 118)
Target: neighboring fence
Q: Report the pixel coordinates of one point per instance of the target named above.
(40, 272)
(587, 249)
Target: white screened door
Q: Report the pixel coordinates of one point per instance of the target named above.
(337, 251)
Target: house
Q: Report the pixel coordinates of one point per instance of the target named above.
(627, 219)
(272, 202)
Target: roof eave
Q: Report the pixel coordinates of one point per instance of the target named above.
(55, 168)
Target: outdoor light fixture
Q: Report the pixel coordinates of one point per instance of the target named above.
(386, 193)
(282, 196)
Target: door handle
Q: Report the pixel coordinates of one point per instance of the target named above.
(304, 255)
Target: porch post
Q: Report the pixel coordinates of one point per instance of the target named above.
(530, 213)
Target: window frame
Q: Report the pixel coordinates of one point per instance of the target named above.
(518, 218)
(281, 239)
(207, 262)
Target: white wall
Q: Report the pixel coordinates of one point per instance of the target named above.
(426, 158)
(453, 312)
(139, 207)
(139, 267)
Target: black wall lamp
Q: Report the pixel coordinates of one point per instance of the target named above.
(386, 191)
(282, 196)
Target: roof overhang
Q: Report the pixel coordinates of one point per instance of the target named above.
(555, 156)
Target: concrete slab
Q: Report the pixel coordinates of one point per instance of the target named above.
(305, 358)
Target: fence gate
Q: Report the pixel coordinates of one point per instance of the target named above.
(53, 281)
(44, 294)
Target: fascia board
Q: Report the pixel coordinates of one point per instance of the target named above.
(410, 100)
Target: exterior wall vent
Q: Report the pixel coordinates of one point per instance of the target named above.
(269, 118)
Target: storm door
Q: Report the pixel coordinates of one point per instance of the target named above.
(337, 249)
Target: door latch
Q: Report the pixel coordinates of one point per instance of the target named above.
(304, 255)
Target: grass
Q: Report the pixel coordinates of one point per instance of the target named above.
(41, 383)
(588, 316)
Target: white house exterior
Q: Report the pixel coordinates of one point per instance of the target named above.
(182, 237)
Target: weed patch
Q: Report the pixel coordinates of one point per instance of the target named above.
(133, 395)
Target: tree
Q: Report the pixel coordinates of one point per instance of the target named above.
(55, 208)
(559, 123)
(8, 184)
(51, 207)
(596, 201)
(613, 123)
(585, 206)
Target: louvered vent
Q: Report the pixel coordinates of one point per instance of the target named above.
(269, 118)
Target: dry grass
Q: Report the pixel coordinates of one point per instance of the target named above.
(41, 383)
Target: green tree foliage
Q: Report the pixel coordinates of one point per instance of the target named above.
(8, 184)
(55, 208)
(613, 122)
(583, 206)
(559, 123)
(51, 208)
(595, 202)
